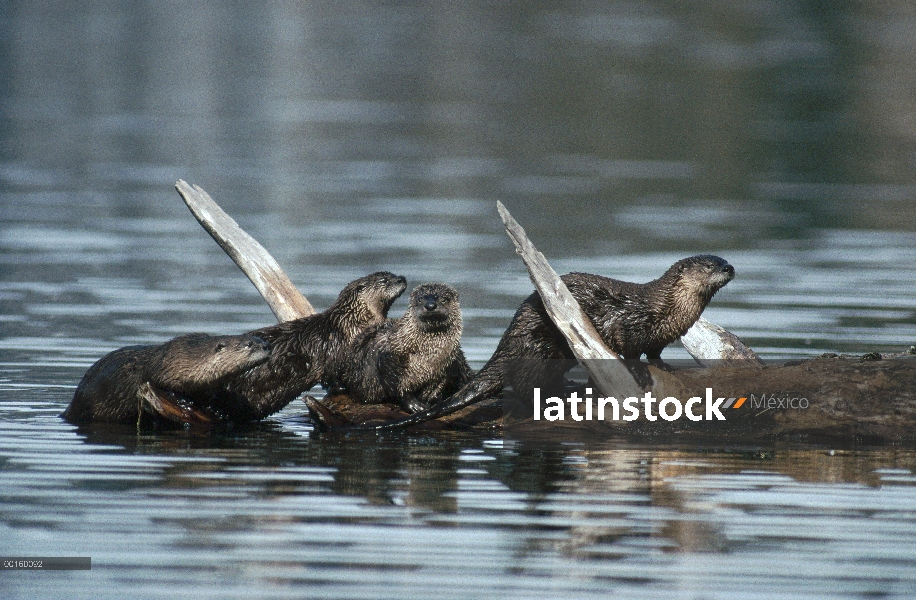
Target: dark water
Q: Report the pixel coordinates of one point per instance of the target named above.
(369, 136)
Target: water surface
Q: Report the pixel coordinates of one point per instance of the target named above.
(378, 136)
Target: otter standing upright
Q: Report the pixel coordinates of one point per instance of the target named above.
(306, 351)
(415, 360)
(632, 319)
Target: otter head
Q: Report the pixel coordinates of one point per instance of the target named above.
(366, 301)
(705, 274)
(435, 307)
(200, 361)
(691, 283)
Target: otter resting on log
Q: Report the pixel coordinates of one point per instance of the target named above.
(308, 350)
(120, 385)
(414, 361)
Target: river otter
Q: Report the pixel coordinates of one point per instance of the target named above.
(414, 361)
(305, 351)
(114, 387)
(632, 318)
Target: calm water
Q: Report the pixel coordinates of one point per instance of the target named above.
(623, 136)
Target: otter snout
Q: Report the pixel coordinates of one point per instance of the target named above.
(396, 287)
(432, 309)
(435, 304)
(722, 275)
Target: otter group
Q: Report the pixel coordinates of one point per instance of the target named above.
(414, 361)
(632, 319)
(244, 378)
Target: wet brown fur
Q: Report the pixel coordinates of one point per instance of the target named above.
(415, 360)
(305, 351)
(192, 364)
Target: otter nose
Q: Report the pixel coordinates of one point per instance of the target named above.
(401, 279)
(430, 303)
(729, 269)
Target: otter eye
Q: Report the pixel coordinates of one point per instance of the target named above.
(220, 346)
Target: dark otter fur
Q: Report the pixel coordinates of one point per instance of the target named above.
(632, 318)
(414, 361)
(193, 364)
(305, 351)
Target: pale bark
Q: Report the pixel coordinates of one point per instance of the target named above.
(286, 302)
(602, 364)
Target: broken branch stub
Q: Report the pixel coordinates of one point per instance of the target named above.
(286, 302)
(707, 342)
(602, 364)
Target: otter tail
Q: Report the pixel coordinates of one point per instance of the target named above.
(480, 387)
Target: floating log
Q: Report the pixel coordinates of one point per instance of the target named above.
(868, 397)
(871, 397)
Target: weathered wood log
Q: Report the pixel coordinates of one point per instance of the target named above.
(846, 396)
(286, 302)
(602, 364)
(837, 396)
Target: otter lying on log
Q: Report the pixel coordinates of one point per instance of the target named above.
(120, 385)
(306, 351)
(204, 380)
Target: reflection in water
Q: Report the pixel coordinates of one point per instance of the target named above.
(294, 508)
(359, 137)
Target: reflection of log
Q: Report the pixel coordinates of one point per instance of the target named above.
(281, 295)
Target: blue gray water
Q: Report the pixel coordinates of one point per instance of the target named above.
(379, 136)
